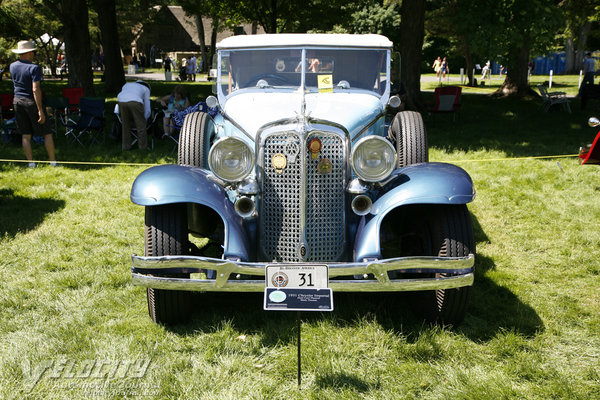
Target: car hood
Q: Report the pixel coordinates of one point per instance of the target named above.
(351, 110)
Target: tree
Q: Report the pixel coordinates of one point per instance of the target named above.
(44, 28)
(470, 27)
(74, 16)
(506, 29)
(221, 18)
(113, 64)
(578, 15)
(277, 16)
(526, 25)
(371, 17)
(412, 32)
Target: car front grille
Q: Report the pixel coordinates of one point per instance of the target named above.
(302, 209)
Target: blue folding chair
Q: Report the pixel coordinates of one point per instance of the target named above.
(90, 121)
(60, 110)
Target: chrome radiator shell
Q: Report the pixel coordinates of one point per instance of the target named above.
(301, 209)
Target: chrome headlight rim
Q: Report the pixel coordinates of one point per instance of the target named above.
(381, 176)
(244, 171)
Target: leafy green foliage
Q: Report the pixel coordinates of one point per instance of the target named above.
(372, 17)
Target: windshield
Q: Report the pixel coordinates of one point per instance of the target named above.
(323, 70)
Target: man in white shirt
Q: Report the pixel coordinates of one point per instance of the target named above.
(134, 107)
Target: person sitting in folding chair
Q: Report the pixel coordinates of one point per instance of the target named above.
(176, 101)
(134, 107)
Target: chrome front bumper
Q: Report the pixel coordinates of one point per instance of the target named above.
(230, 274)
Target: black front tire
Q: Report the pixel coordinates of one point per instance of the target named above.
(166, 234)
(194, 140)
(450, 234)
(407, 131)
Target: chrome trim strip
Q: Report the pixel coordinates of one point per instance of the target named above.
(224, 268)
(394, 285)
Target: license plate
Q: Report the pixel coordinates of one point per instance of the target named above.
(297, 276)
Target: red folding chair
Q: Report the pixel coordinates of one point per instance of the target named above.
(6, 106)
(73, 95)
(447, 100)
(7, 120)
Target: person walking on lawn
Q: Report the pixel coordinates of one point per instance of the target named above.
(30, 115)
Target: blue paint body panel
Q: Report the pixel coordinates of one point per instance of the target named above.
(427, 183)
(168, 184)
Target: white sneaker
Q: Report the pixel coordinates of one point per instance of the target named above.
(32, 165)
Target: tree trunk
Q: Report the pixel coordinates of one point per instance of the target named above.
(53, 63)
(412, 30)
(200, 28)
(468, 59)
(581, 44)
(516, 83)
(569, 56)
(77, 44)
(213, 38)
(273, 19)
(113, 65)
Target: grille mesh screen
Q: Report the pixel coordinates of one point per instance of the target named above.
(281, 208)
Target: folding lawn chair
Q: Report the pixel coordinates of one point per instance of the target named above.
(73, 95)
(89, 122)
(60, 110)
(7, 110)
(551, 98)
(7, 118)
(447, 100)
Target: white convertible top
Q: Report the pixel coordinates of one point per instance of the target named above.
(304, 39)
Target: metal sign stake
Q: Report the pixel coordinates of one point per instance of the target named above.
(299, 325)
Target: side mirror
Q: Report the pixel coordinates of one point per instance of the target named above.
(593, 122)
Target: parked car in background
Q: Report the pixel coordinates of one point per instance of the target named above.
(301, 167)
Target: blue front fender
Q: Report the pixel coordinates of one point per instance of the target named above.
(168, 184)
(427, 183)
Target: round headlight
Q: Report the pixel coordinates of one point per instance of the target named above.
(373, 158)
(231, 159)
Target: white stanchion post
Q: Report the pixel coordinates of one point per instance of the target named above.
(462, 75)
(580, 78)
(550, 82)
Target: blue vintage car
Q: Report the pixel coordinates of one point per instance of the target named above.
(308, 162)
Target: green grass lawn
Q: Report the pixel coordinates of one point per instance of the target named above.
(70, 316)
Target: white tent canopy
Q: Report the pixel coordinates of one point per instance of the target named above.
(45, 38)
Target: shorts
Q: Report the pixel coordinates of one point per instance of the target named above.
(26, 116)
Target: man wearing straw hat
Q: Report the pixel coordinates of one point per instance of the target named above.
(29, 110)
